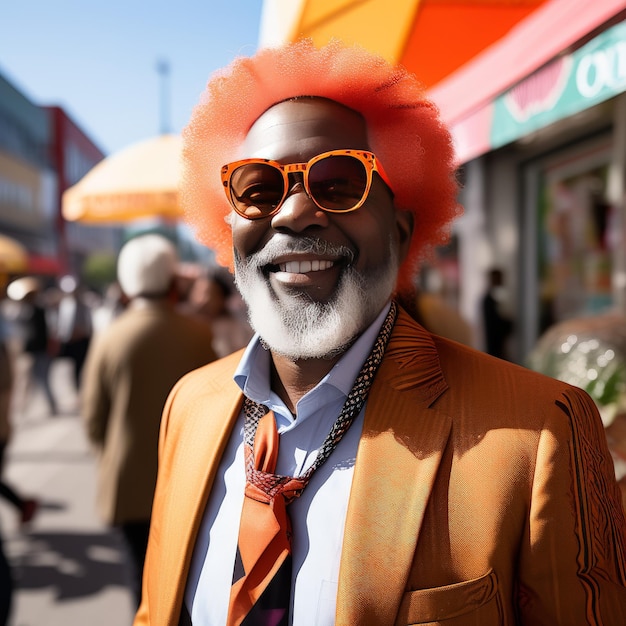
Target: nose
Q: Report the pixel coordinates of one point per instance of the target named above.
(298, 212)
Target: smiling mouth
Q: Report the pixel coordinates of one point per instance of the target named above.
(304, 267)
(303, 257)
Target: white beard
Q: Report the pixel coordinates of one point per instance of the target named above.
(300, 328)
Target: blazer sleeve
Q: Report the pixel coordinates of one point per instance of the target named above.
(572, 567)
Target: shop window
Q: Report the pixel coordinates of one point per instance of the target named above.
(574, 243)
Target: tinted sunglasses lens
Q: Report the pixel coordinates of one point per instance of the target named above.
(256, 189)
(338, 182)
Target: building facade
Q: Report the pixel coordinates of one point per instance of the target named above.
(73, 154)
(43, 152)
(28, 183)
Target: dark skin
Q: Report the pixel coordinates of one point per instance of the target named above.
(295, 131)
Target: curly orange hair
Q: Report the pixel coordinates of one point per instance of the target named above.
(404, 131)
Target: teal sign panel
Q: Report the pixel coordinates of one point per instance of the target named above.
(565, 86)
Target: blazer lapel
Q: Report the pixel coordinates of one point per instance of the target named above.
(397, 460)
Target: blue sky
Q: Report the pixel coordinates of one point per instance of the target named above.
(98, 60)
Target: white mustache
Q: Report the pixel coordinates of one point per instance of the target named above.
(280, 246)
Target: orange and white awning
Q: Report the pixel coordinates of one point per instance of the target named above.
(468, 53)
(431, 38)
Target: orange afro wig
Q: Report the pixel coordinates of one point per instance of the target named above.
(404, 131)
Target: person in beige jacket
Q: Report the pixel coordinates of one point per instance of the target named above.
(457, 489)
(130, 369)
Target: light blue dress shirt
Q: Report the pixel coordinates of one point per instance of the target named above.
(318, 516)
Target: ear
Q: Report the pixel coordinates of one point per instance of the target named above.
(405, 222)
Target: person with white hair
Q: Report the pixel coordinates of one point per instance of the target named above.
(130, 369)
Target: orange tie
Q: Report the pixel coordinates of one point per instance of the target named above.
(261, 589)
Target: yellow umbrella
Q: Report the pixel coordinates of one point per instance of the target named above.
(13, 256)
(138, 182)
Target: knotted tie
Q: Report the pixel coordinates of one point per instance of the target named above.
(261, 590)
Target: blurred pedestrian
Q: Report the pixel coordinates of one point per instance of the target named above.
(131, 367)
(497, 325)
(210, 299)
(437, 316)
(74, 326)
(111, 305)
(6, 586)
(37, 341)
(26, 507)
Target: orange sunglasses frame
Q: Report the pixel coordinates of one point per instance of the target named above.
(367, 158)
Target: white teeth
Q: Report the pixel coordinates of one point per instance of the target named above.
(304, 267)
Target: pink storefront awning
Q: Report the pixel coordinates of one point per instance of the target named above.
(466, 97)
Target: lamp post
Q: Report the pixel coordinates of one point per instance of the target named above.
(163, 68)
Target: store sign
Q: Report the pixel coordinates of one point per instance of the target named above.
(567, 85)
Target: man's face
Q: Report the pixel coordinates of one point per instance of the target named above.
(314, 280)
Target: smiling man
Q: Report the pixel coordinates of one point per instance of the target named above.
(348, 467)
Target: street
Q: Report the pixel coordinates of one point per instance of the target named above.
(69, 569)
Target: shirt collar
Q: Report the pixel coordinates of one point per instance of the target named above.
(253, 373)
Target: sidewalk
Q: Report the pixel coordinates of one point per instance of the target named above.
(69, 568)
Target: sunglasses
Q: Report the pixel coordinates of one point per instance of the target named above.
(337, 181)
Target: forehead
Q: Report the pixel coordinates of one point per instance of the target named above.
(300, 129)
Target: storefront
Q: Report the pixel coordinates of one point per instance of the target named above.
(544, 166)
(574, 190)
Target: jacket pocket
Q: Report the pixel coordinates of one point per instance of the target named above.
(472, 601)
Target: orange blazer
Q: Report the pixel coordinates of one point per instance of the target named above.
(483, 494)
